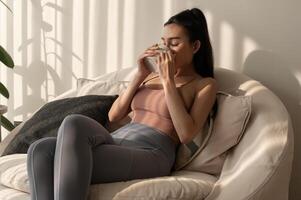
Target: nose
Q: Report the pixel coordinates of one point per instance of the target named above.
(168, 46)
(171, 50)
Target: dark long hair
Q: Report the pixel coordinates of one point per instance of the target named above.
(195, 23)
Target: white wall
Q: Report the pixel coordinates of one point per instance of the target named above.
(53, 42)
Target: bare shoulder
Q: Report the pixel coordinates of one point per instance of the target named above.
(207, 82)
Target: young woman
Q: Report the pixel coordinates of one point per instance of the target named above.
(169, 107)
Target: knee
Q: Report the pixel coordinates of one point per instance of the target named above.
(42, 147)
(72, 126)
(73, 120)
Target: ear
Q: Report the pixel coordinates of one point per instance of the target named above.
(196, 46)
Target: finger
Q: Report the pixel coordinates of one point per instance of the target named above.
(154, 48)
(151, 51)
(169, 56)
(160, 58)
(165, 56)
(146, 55)
(158, 62)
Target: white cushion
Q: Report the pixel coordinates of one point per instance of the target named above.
(102, 88)
(110, 84)
(80, 82)
(182, 185)
(12, 194)
(13, 172)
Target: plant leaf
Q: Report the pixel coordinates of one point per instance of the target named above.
(5, 57)
(6, 6)
(6, 123)
(4, 91)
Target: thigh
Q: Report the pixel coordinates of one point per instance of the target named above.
(80, 128)
(113, 163)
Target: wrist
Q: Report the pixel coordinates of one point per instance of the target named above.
(138, 79)
(169, 83)
(140, 76)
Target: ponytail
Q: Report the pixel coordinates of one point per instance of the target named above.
(195, 23)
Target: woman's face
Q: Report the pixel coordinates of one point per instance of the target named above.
(175, 37)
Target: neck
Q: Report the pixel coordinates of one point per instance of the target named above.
(187, 70)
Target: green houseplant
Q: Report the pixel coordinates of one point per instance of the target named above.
(6, 59)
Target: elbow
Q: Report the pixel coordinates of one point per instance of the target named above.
(185, 139)
(111, 117)
(116, 116)
(187, 136)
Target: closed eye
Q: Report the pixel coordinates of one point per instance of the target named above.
(173, 41)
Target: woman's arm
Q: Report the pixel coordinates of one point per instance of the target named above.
(121, 106)
(187, 124)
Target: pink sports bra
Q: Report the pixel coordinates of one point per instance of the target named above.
(149, 107)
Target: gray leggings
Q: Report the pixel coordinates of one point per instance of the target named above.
(85, 153)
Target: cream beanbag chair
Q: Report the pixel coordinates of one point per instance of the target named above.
(257, 167)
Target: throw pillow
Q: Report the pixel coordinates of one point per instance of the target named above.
(46, 121)
(229, 124)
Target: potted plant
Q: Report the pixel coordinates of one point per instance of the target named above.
(6, 59)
